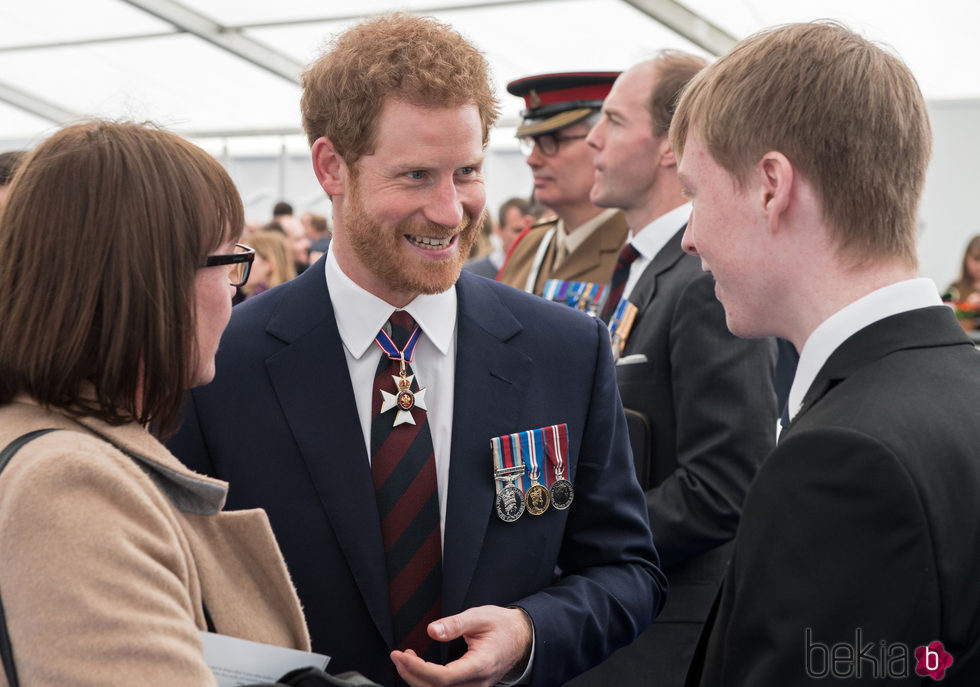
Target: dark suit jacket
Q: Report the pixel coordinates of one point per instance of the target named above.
(482, 266)
(865, 516)
(280, 424)
(710, 406)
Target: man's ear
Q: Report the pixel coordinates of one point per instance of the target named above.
(667, 158)
(329, 167)
(776, 176)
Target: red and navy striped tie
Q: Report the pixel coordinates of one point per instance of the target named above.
(403, 469)
(619, 278)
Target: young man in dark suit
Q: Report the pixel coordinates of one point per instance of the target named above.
(402, 528)
(804, 151)
(706, 396)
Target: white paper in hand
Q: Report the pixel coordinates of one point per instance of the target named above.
(237, 662)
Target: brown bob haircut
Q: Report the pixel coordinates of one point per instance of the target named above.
(413, 59)
(846, 113)
(103, 233)
(674, 70)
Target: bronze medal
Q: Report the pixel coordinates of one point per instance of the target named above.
(537, 498)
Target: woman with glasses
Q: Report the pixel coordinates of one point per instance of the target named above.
(117, 268)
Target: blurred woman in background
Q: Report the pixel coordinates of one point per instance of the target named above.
(273, 264)
(967, 287)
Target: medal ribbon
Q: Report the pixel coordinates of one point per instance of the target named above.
(391, 350)
(532, 443)
(505, 460)
(577, 294)
(556, 440)
(620, 325)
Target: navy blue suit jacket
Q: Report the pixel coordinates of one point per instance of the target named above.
(280, 424)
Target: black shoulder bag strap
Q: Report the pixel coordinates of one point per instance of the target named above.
(6, 652)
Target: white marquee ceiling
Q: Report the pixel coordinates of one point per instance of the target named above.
(228, 69)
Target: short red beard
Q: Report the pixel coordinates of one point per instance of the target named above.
(378, 247)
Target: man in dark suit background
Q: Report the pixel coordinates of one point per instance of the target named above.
(388, 555)
(707, 397)
(805, 151)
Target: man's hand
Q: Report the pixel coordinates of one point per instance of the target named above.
(497, 640)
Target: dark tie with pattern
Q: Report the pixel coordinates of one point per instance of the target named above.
(403, 469)
(622, 272)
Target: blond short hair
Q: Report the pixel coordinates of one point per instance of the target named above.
(415, 59)
(846, 113)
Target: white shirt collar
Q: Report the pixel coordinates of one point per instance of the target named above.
(902, 296)
(649, 240)
(360, 314)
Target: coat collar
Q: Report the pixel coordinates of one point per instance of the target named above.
(930, 327)
(587, 257)
(666, 258)
(188, 491)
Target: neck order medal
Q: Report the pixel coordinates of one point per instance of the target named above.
(404, 399)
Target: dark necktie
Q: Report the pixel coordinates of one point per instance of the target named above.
(403, 469)
(622, 272)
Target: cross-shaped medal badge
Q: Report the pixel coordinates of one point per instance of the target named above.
(404, 399)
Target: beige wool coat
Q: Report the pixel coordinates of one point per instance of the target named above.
(105, 558)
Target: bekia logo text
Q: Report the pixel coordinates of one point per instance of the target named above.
(880, 660)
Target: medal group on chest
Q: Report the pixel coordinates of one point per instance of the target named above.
(530, 471)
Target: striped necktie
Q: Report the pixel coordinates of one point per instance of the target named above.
(404, 473)
(620, 275)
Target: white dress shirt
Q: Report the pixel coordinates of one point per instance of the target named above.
(360, 316)
(893, 299)
(651, 239)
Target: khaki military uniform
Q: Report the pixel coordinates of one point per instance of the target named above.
(593, 261)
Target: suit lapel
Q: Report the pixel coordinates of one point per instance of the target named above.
(646, 285)
(921, 328)
(312, 383)
(489, 392)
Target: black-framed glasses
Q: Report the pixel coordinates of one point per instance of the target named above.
(547, 143)
(239, 263)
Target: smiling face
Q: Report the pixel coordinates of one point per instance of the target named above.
(411, 209)
(727, 230)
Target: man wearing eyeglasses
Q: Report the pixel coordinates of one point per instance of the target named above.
(582, 243)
